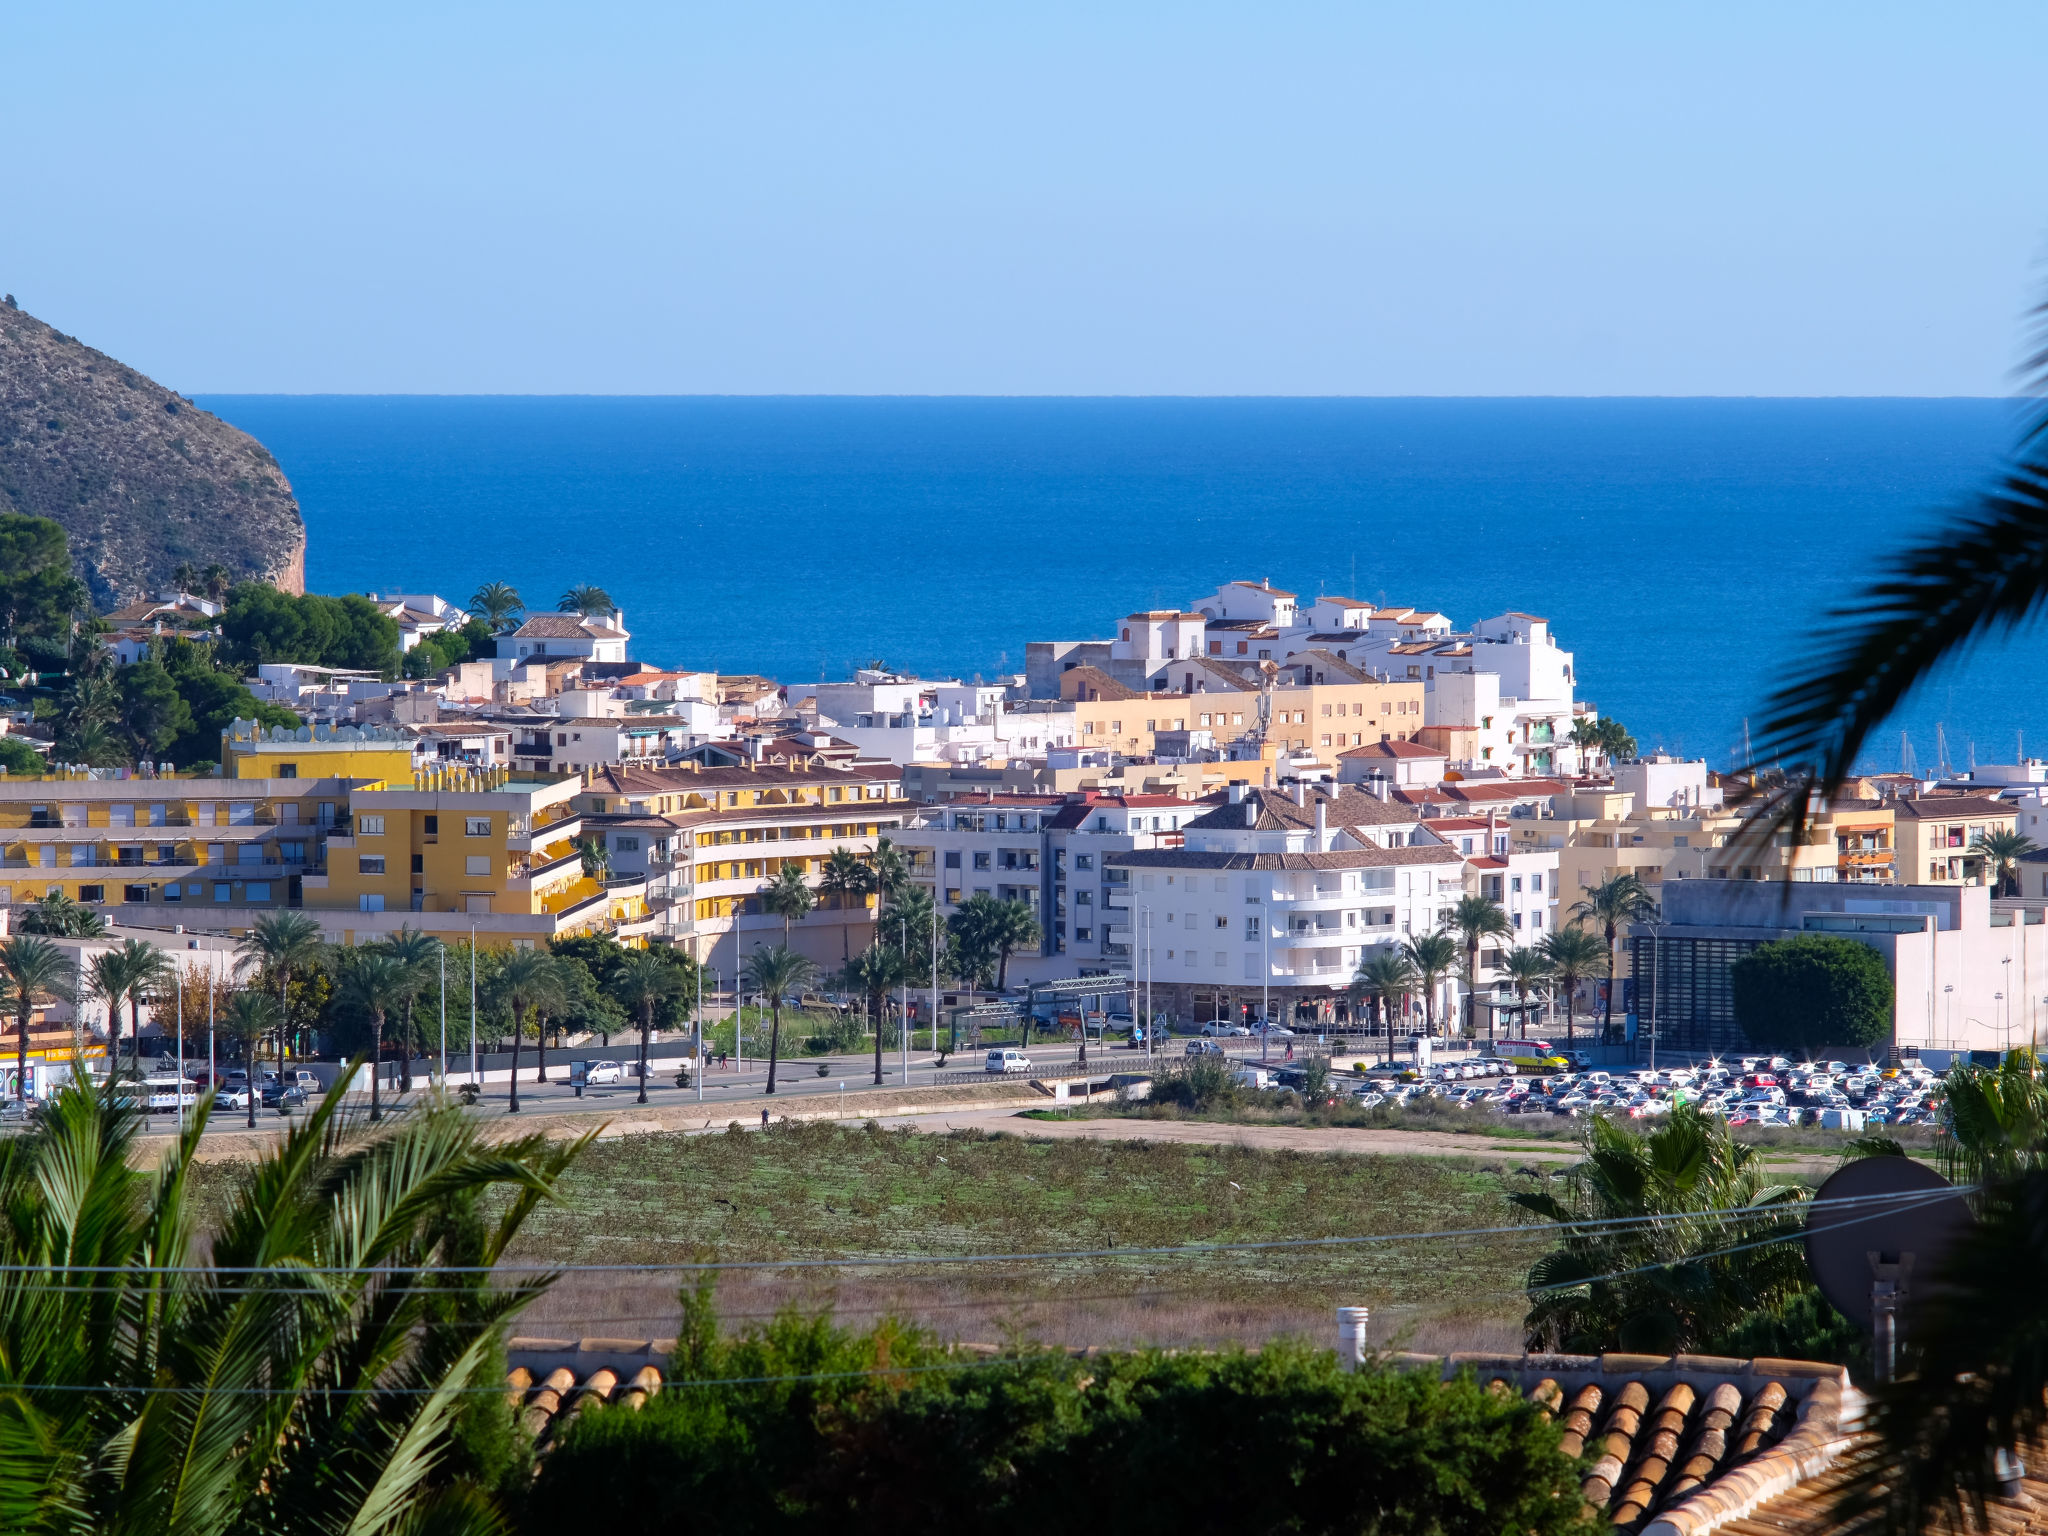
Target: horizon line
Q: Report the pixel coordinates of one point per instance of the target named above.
(274, 394)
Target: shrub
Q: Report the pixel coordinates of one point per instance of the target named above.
(1198, 1083)
(823, 1430)
(1813, 990)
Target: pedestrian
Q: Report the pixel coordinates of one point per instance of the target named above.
(764, 1117)
(1290, 1050)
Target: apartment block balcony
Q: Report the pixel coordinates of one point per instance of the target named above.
(1314, 936)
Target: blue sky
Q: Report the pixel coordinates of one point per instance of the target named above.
(1034, 198)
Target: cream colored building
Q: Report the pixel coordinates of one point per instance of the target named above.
(1939, 837)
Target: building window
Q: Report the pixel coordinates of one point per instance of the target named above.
(135, 893)
(370, 901)
(477, 864)
(431, 826)
(476, 826)
(419, 863)
(92, 893)
(256, 890)
(370, 864)
(223, 892)
(287, 770)
(626, 844)
(981, 858)
(369, 826)
(952, 858)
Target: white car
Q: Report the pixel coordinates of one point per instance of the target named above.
(603, 1072)
(1007, 1061)
(232, 1096)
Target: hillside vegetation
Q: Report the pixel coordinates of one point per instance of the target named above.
(139, 477)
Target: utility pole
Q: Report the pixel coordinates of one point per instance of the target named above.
(475, 1076)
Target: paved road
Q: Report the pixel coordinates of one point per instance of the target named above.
(723, 1089)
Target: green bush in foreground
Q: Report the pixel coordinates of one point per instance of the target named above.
(828, 1430)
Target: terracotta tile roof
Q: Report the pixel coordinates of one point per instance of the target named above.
(1341, 858)
(1277, 812)
(565, 626)
(1943, 807)
(1393, 749)
(1265, 587)
(1681, 1445)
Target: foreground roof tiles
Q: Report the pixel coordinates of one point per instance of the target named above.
(1681, 1445)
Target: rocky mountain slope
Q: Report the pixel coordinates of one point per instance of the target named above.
(141, 478)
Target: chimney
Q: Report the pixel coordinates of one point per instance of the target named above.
(1322, 825)
(1301, 794)
(1492, 824)
(1237, 792)
(1251, 813)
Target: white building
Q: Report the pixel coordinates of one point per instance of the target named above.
(564, 636)
(1051, 851)
(1275, 900)
(418, 615)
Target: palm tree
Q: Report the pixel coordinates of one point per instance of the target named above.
(1664, 1285)
(1619, 899)
(1574, 956)
(972, 927)
(845, 877)
(280, 945)
(134, 971)
(1434, 956)
(372, 982)
(249, 1017)
(889, 869)
(1388, 977)
(597, 859)
(872, 973)
(57, 916)
(106, 978)
(777, 972)
(37, 971)
(417, 952)
(1011, 926)
(638, 984)
(527, 981)
(1475, 919)
(1529, 970)
(788, 897)
(497, 605)
(2005, 848)
(587, 602)
(186, 1377)
(185, 577)
(216, 579)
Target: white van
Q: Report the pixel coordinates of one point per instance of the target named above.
(1007, 1059)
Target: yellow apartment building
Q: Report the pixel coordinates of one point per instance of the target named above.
(1321, 705)
(178, 844)
(722, 833)
(337, 824)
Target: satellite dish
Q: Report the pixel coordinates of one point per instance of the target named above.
(1865, 1227)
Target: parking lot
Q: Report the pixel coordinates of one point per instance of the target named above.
(1751, 1090)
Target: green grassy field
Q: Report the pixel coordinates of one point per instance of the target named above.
(819, 1190)
(824, 1191)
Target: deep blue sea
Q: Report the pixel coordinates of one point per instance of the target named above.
(1684, 549)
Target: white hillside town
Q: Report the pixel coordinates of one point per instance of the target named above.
(1244, 805)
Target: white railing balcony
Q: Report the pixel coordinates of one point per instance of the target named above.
(1312, 901)
(1315, 938)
